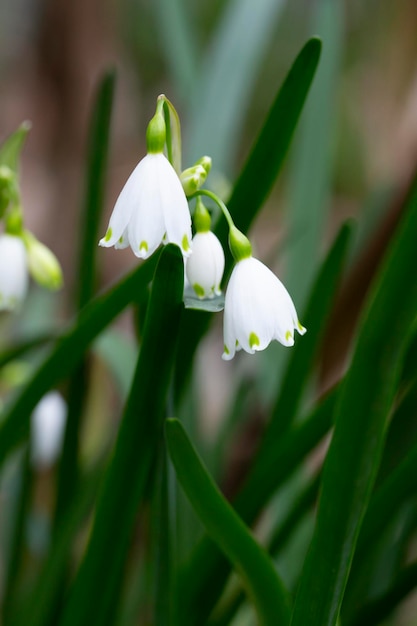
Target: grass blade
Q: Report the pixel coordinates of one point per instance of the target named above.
(93, 596)
(356, 447)
(66, 354)
(228, 530)
(255, 182)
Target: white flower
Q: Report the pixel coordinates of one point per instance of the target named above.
(48, 424)
(13, 271)
(204, 268)
(257, 310)
(151, 209)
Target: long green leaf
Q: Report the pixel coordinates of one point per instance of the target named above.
(311, 162)
(227, 76)
(93, 596)
(202, 581)
(355, 450)
(228, 530)
(67, 353)
(87, 276)
(255, 182)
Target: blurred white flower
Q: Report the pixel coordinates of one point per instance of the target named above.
(47, 429)
(204, 268)
(13, 271)
(151, 209)
(257, 310)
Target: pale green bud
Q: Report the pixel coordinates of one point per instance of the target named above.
(205, 161)
(239, 244)
(43, 265)
(192, 178)
(156, 131)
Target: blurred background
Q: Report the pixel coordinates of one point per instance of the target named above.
(221, 63)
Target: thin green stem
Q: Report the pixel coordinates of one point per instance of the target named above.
(218, 201)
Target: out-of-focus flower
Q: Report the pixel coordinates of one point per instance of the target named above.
(13, 271)
(47, 429)
(257, 310)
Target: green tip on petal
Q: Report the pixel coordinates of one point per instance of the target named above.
(288, 335)
(108, 234)
(143, 246)
(185, 244)
(254, 340)
(301, 328)
(199, 290)
(226, 349)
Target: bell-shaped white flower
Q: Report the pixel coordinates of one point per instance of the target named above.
(152, 207)
(13, 271)
(205, 266)
(47, 429)
(257, 310)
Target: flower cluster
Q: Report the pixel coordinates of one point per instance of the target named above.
(152, 209)
(21, 254)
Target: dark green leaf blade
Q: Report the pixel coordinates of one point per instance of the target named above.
(228, 530)
(255, 181)
(355, 451)
(93, 596)
(67, 353)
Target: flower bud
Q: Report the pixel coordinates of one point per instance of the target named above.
(47, 429)
(192, 178)
(43, 265)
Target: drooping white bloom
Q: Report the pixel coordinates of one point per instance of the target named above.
(47, 429)
(13, 271)
(152, 208)
(204, 268)
(257, 310)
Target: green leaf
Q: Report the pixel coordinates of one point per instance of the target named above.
(68, 351)
(377, 610)
(95, 188)
(228, 531)
(255, 182)
(11, 148)
(227, 76)
(202, 580)
(311, 161)
(358, 438)
(94, 593)
(87, 275)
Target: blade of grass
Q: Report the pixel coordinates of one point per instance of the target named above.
(202, 580)
(227, 529)
(94, 593)
(310, 171)
(255, 183)
(68, 351)
(377, 610)
(228, 73)
(354, 454)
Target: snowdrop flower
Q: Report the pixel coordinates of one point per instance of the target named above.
(13, 271)
(204, 268)
(258, 308)
(47, 429)
(152, 207)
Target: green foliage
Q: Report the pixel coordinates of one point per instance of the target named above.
(343, 458)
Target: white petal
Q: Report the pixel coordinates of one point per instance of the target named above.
(14, 277)
(146, 227)
(206, 264)
(258, 308)
(126, 203)
(174, 206)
